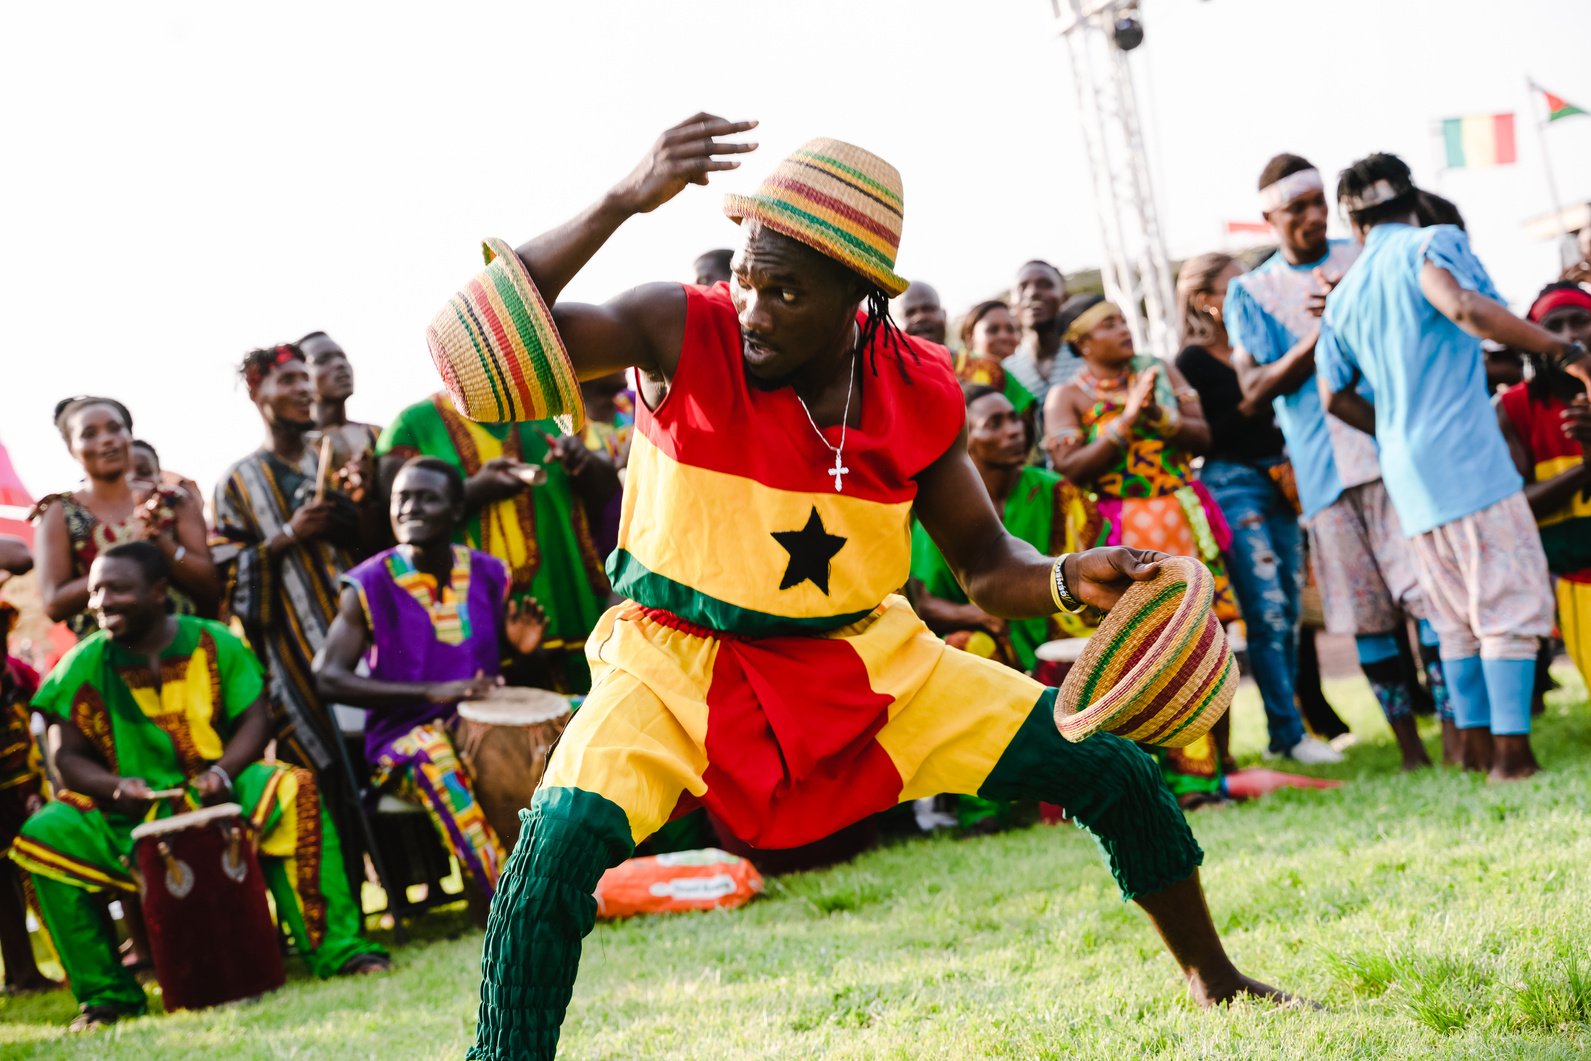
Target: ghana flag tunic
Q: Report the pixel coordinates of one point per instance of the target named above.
(766, 667)
(543, 534)
(166, 734)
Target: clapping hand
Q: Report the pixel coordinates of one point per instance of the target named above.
(356, 477)
(1140, 400)
(1315, 303)
(684, 154)
(524, 625)
(1577, 424)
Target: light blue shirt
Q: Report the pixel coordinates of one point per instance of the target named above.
(1265, 317)
(1442, 454)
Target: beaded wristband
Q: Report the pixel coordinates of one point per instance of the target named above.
(1059, 591)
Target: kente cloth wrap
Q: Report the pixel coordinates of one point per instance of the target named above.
(1049, 514)
(722, 462)
(165, 735)
(422, 766)
(542, 534)
(286, 603)
(987, 371)
(765, 670)
(419, 634)
(89, 536)
(1566, 531)
(1151, 500)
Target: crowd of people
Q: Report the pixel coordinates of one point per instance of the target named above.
(1328, 429)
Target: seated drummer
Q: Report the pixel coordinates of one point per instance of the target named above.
(427, 648)
(155, 701)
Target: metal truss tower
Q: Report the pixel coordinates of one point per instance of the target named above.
(1136, 272)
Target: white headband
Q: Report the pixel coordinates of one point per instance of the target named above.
(1279, 194)
(1382, 191)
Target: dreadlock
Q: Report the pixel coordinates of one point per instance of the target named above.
(879, 321)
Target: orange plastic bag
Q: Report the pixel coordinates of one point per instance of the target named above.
(684, 880)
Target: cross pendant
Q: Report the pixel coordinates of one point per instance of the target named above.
(837, 471)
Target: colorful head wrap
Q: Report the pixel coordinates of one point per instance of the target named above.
(261, 363)
(1556, 296)
(1284, 190)
(1080, 314)
(838, 199)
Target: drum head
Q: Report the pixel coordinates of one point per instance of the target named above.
(192, 819)
(516, 707)
(1066, 650)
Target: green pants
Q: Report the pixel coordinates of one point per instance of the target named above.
(74, 850)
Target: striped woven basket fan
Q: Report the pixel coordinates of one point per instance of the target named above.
(498, 351)
(1158, 670)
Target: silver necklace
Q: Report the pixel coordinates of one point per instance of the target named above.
(839, 470)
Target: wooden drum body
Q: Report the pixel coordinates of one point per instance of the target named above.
(1055, 659)
(503, 743)
(210, 929)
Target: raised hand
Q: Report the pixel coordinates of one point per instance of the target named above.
(1100, 576)
(524, 625)
(684, 154)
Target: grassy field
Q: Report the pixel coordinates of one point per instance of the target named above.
(1434, 916)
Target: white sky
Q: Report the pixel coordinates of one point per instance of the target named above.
(188, 180)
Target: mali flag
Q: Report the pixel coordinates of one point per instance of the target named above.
(1479, 140)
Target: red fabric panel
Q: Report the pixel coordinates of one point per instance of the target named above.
(790, 730)
(712, 411)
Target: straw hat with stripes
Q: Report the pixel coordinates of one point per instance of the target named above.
(1158, 670)
(838, 199)
(499, 354)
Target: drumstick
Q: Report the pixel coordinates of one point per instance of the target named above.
(167, 793)
(323, 474)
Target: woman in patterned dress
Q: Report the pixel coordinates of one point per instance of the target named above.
(110, 507)
(1126, 427)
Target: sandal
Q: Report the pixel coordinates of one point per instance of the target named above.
(368, 964)
(94, 1017)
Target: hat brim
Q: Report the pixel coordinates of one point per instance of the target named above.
(826, 239)
(1158, 670)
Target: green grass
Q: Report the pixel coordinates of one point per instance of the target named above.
(1434, 915)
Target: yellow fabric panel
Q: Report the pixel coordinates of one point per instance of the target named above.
(1578, 506)
(640, 737)
(746, 563)
(192, 696)
(1574, 622)
(954, 713)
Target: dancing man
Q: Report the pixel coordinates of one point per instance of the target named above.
(763, 664)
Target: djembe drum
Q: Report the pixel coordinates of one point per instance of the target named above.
(210, 929)
(1055, 659)
(503, 742)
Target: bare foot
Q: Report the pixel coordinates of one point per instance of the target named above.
(1475, 749)
(1451, 755)
(1512, 758)
(1213, 991)
(1408, 734)
(368, 964)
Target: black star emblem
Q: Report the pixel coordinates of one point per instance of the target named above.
(810, 548)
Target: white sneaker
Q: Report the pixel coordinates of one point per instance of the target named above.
(1343, 741)
(1311, 751)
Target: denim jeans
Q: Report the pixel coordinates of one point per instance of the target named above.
(1265, 563)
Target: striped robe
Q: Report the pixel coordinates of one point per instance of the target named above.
(285, 604)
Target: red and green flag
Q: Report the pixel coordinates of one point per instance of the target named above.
(1479, 140)
(1557, 106)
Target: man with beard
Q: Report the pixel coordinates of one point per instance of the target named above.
(764, 664)
(922, 314)
(1043, 360)
(284, 535)
(153, 702)
(333, 377)
(1357, 551)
